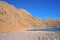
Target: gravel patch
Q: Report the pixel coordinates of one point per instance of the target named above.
(31, 35)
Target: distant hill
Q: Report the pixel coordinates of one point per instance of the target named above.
(17, 20)
(53, 23)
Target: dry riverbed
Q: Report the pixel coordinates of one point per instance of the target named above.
(31, 35)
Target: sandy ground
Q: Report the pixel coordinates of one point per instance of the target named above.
(31, 35)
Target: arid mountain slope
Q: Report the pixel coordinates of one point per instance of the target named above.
(16, 20)
(52, 23)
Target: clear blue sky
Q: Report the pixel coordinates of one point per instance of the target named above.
(39, 8)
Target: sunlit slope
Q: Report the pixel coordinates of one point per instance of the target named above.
(16, 20)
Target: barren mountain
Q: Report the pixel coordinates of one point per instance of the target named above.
(16, 20)
(52, 23)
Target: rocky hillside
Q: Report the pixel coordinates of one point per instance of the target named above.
(17, 20)
(52, 23)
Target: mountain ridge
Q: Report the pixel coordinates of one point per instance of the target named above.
(17, 20)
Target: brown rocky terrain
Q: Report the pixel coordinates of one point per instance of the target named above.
(53, 23)
(17, 20)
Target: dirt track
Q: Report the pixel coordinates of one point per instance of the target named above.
(41, 35)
